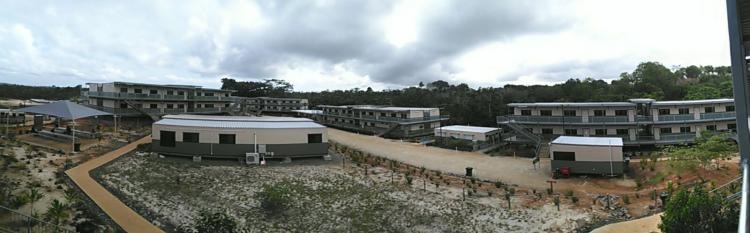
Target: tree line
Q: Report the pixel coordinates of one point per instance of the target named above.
(13, 91)
(479, 106)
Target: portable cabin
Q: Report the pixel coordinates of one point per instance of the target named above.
(587, 155)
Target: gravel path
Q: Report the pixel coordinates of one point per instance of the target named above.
(123, 215)
(507, 169)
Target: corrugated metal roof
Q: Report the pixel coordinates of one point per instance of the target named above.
(308, 111)
(376, 107)
(573, 104)
(238, 122)
(691, 102)
(588, 141)
(465, 128)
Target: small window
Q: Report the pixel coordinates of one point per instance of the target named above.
(208, 94)
(622, 131)
(545, 112)
(180, 106)
(664, 111)
(711, 127)
(621, 112)
(166, 138)
(600, 112)
(170, 92)
(709, 109)
(315, 138)
(170, 106)
(685, 129)
(729, 108)
(546, 131)
(684, 111)
(600, 132)
(569, 113)
(571, 132)
(152, 106)
(227, 139)
(190, 137)
(180, 93)
(153, 92)
(665, 130)
(209, 105)
(732, 127)
(565, 156)
(137, 91)
(123, 89)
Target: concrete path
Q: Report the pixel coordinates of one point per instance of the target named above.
(642, 225)
(128, 219)
(518, 171)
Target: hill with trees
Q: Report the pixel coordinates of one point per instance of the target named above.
(479, 106)
(13, 91)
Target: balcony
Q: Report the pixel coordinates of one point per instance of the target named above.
(718, 115)
(547, 119)
(142, 96)
(389, 119)
(608, 119)
(677, 117)
(677, 137)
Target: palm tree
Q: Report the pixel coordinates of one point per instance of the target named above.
(71, 197)
(57, 212)
(33, 195)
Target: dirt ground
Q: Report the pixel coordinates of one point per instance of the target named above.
(642, 225)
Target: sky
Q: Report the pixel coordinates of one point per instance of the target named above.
(343, 44)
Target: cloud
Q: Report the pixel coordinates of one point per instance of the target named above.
(324, 44)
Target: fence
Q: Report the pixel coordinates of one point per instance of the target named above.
(14, 221)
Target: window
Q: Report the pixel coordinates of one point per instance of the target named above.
(684, 111)
(546, 131)
(170, 105)
(180, 93)
(565, 156)
(190, 137)
(208, 94)
(153, 92)
(569, 113)
(315, 138)
(600, 132)
(600, 112)
(621, 112)
(729, 108)
(166, 138)
(709, 109)
(732, 127)
(545, 112)
(685, 129)
(622, 131)
(711, 127)
(123, 89)
(180, 106)
(571, 132)
(665, 130)
(170, 92)
(664, 111)
(392, 115)
(208, 105)
(137, 91)
(226, 139)
(152, 106)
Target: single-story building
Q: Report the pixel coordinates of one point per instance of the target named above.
(587, 155)
(480, 137)
(235, 136)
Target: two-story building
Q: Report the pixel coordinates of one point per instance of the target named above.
(637, 121)
(132, 99)
(259, 105)
(393, 122)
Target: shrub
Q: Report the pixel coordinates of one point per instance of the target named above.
(549, 191)
(568, 193)
(574, 199)
(274, 198)
(214, 222)
(498, 184)
(409, 179)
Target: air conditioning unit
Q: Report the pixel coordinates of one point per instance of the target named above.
(252, 158)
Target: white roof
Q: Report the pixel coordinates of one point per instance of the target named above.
(376, 107)
(465, 128)
(692, 102)
(309, 111)
(237, 122)
(588, 141)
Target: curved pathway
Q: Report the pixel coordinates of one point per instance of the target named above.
(123, 215)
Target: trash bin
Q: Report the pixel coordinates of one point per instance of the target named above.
(664, 196)
(77, 147)
(469, 171)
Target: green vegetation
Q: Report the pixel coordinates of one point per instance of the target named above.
(38, 92)
(274, 198)
(57, 212)
(214, 222)
(707, 149)
(699, 211)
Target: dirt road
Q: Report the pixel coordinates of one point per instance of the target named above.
(128, 219)
(641, 225)
(507, 169)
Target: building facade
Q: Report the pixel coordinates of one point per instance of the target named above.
(260, 105)
(131, 99)
(8, 116)
(587, 155)
(234, 136)
(637, 122)
(393, 122)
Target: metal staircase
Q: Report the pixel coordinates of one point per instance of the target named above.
(542, 148)
(139, 109)
(390, 129)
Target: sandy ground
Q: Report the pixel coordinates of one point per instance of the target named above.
(507, 169)
(128, 219)
(642, 225)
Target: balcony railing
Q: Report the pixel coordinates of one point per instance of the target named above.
(389, 119)
(553, 119)
(679, 117)
(718, 115)
(608, 119)
(677, 137)
(122, 95)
